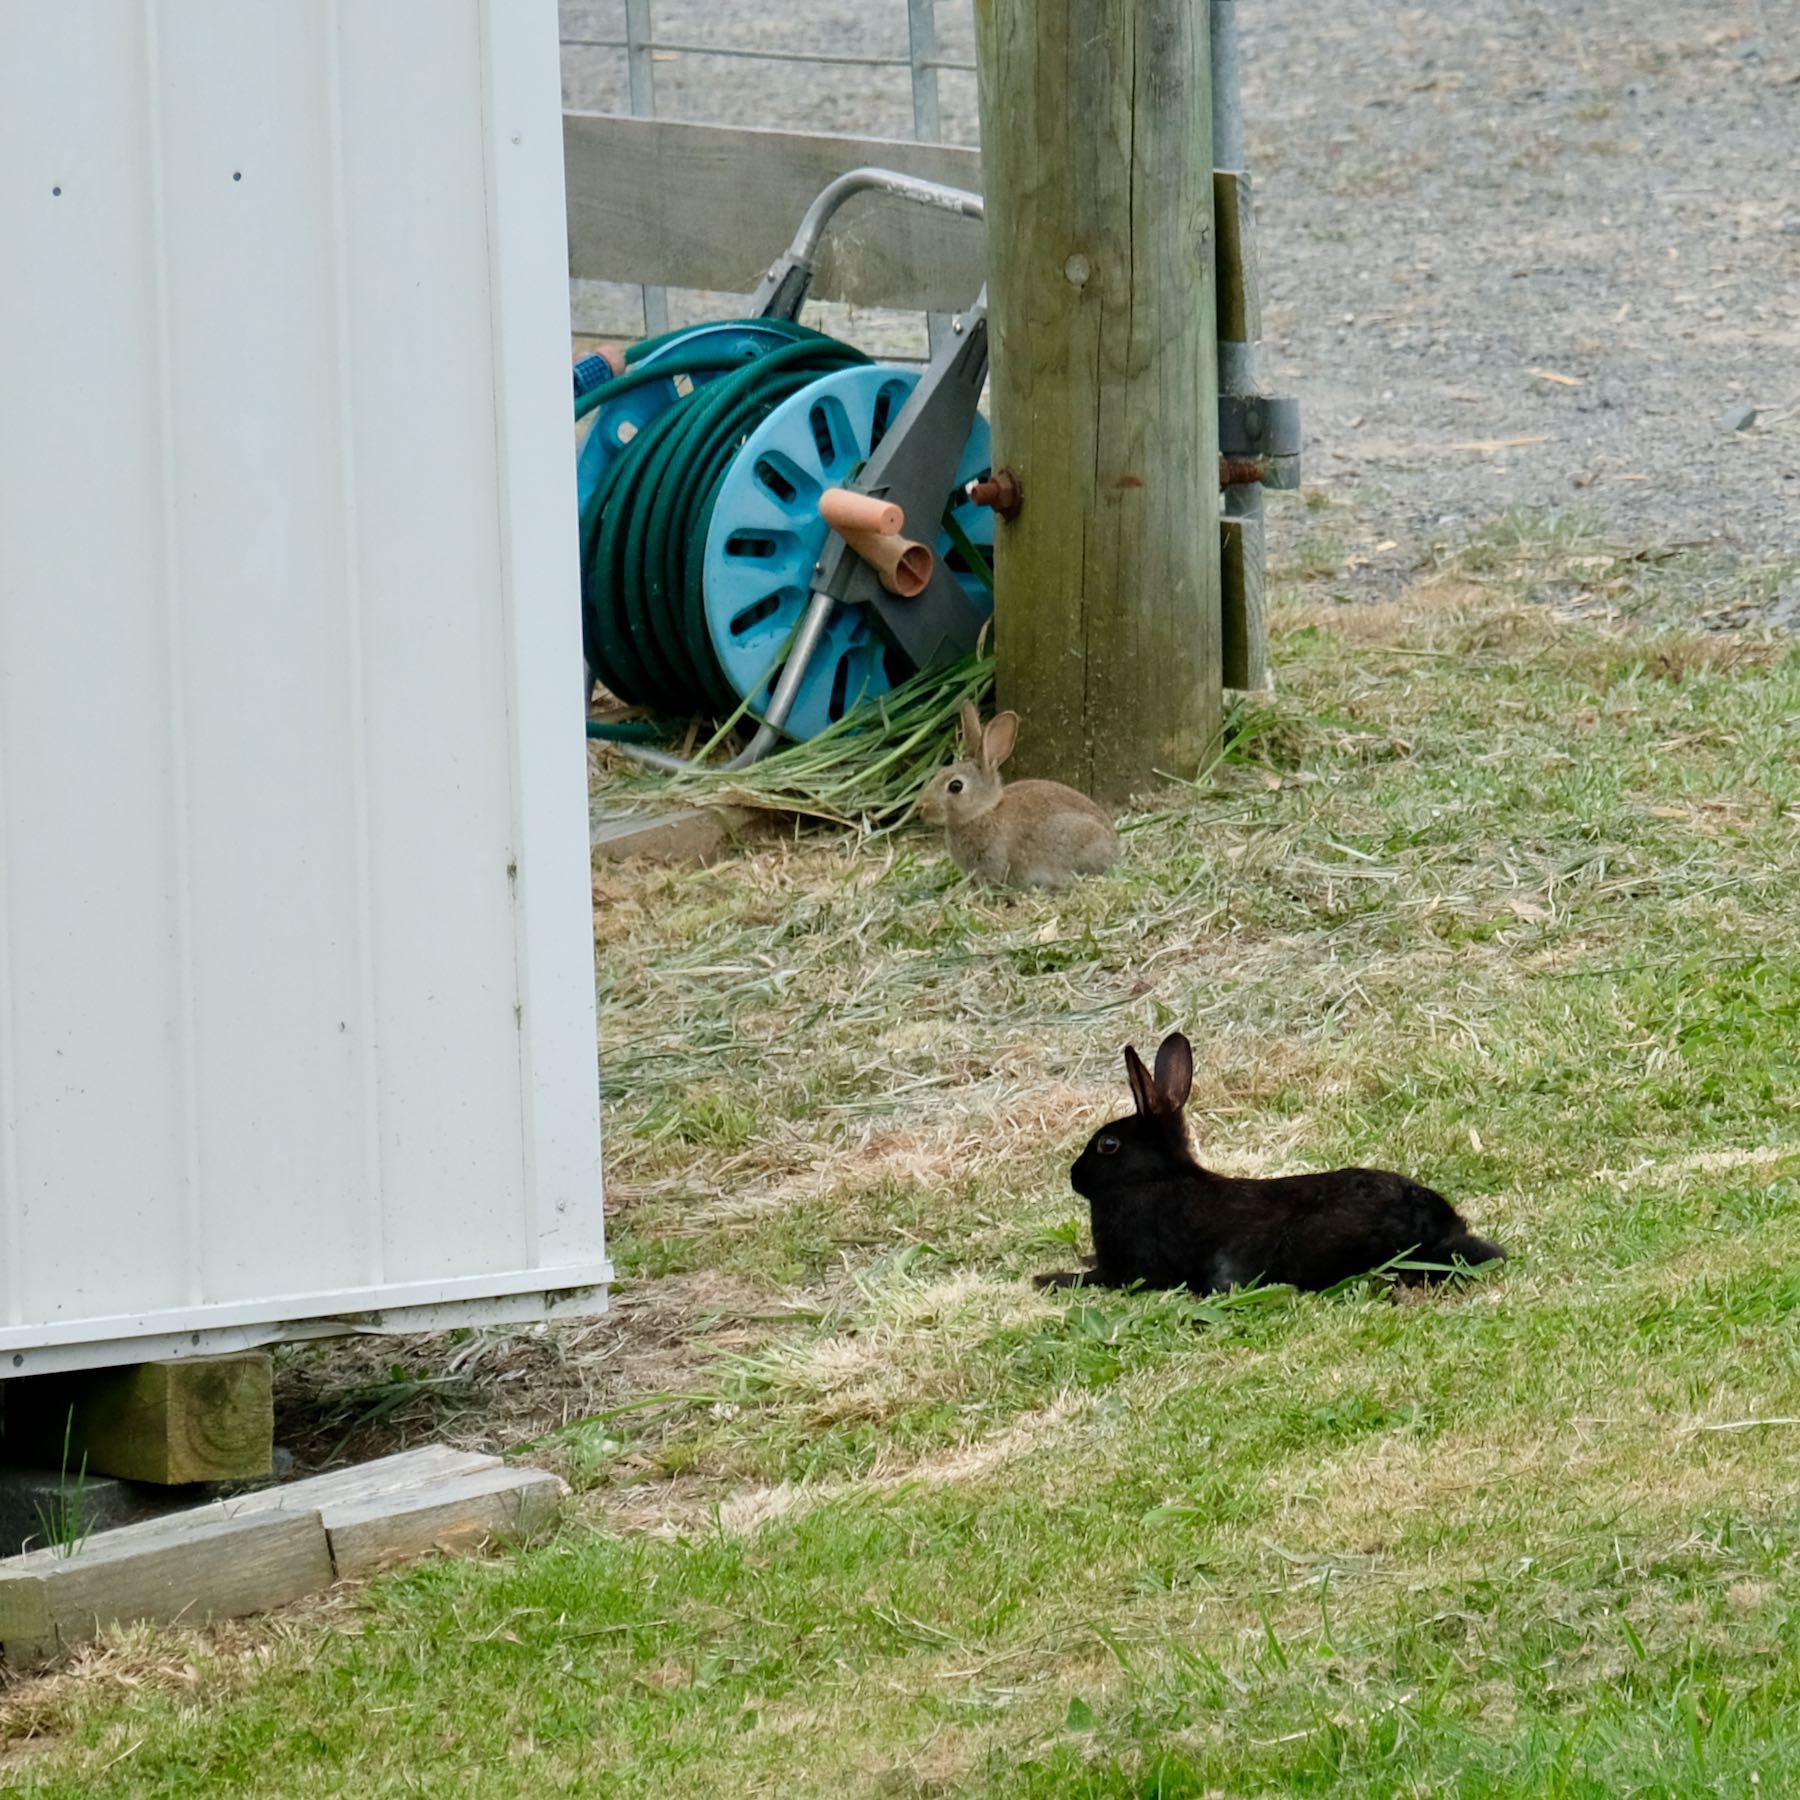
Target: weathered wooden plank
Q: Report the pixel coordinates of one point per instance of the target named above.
(204, 1418)
(27, 1623)
(430, 1481)
(267, 1548)
(1244, 664)
(115, 1539)
(361, 1483)
(1240, 292)
(452, 1514)
(710, 206)
(1096, 142)
(689, 834)
(207, 1569)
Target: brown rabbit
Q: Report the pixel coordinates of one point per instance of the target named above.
(1032, 834)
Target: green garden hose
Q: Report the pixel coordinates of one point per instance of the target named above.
(644, 527)
(632, 731)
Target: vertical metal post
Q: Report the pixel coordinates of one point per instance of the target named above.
(1228, 100)
(921, 26)
(641, 75)
(922, 49)
(1245, 640)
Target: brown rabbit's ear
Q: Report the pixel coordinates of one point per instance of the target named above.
(971, 729)
(997, 740)
(1143, 1088)
(1174, 1072)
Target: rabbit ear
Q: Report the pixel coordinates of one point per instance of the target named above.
(997, 740)
(1174, 1072)
(1143, 1089)
(971, 729)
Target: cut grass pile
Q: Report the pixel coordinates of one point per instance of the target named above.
(866, 770)
(1501, 897)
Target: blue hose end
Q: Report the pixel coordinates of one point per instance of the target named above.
(590, 372)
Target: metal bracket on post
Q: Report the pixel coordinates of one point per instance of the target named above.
(1260, 433)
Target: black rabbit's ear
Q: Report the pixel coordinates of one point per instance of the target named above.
(971, 730)
(1174, 1072)
(1143, 1089)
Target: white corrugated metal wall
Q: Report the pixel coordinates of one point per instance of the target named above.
(296, 985)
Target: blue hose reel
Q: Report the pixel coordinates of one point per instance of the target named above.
(766, 538)
(800, 630)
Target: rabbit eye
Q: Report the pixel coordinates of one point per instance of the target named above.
(955, 787)
(1107, 1144)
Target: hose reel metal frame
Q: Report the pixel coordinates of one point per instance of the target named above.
(914, 466)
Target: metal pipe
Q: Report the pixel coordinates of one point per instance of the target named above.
(1227, 87)
(640, 73)
(781, 292)
(930, 62)
(921, 44)
(883, 181)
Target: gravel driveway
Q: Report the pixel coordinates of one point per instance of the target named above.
(1566, 235)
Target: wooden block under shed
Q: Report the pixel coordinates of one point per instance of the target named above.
(202, 1418)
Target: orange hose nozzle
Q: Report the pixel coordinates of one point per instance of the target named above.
(846, 511)
(903, 566)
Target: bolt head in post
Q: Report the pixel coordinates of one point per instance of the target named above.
(1001, 491)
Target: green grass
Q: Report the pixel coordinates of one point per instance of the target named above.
(64, 1520)
(1493, 894)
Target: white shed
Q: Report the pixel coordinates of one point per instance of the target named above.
(296, 971)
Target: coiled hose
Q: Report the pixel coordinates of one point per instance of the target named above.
(644, 527)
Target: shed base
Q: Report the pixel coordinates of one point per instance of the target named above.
(110, 1352)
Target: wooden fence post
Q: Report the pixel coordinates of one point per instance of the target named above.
(1096, 134)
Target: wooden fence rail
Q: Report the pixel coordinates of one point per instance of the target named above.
(709, 206)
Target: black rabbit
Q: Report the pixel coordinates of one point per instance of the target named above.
(1162, 1220)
